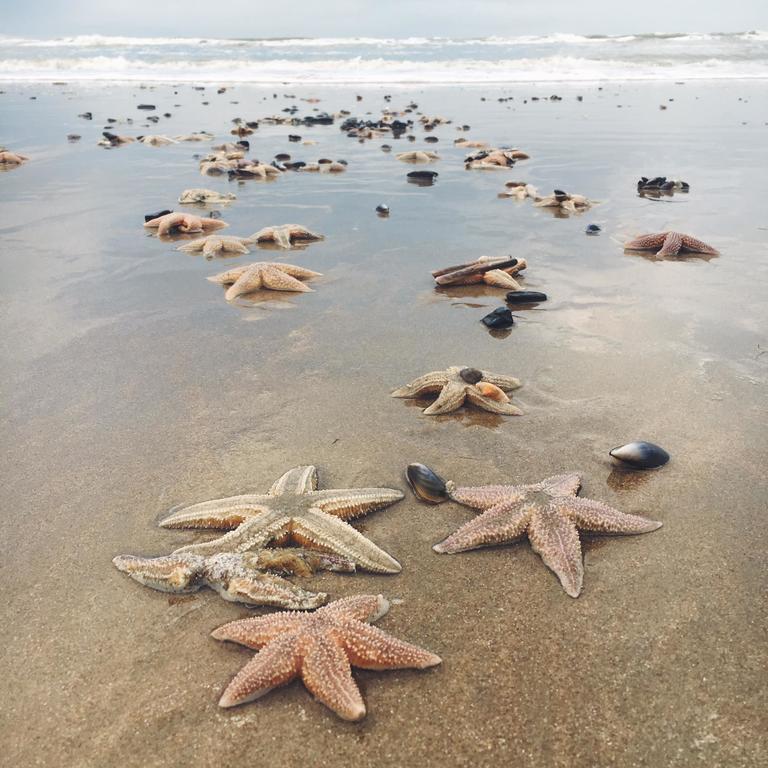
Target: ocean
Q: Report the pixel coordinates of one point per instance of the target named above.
(364, 60)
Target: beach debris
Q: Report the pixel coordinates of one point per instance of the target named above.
(320, 648)
(455, 385)
(237, 576)
(501, 317)
(670, 244)
(386, 148)
(431, 139)
(11, 159)
(497, 271)
(549, 512)
(564, 202)
(113, 140)
(417, 156)
(592, 229)
(426, 484)
(659, 185)
(292, 511)
(285, 235)
(519, 190)
(264, 275)
(640, 455)
(382, 210)
(494, 158)
(183, 222)
(525, 297)
(206, 196)
(86, 115)
(73, 137)
(216, 245)
(422, 178)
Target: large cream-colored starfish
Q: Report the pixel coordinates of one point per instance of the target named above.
(284, 235)
(550, 514)
(294, 510)
(456, 384)
(273, 276)
(214, 245)
(11, 158)
(183, 222)
(237, 577)
(669, 244)
(208, 196)
(564, 202)
(321, 648)
(418, 156)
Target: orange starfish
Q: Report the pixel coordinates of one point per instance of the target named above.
(183, 222)
(670, 243)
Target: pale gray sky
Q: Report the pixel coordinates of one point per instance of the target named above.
(379, 18)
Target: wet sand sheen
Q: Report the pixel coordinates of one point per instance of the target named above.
(132, 386)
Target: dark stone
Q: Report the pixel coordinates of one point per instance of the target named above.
(525, 297)
(423, 175)
(382, 209)
(501, 317)
(146, 106)
(431, 139)
(157, 215)
(293, 137)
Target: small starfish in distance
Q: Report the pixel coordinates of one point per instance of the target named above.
(215, 245)
(183, 222)
(263, 274)
(284, 235)
(292, 510)
(321, 648)
(456, 384)
(670, 244)
(549, 513)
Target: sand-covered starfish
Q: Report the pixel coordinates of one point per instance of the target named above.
(237, 577)
(215, 245)
(418, 156)
(321, 648)
(267, 275)
(285, 235)
(669, 244)
(456, 384)
(294, 510)
(564, 202)
(206, 196)
(183, 222)
(549, 513)
(11, 158)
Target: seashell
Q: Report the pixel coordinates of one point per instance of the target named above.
(156, 214)
(560, 196)
(382, 209)
(525, 297)
(492, 391)
(640, 455)
(471, 375)
(592, 229)
(282, 157)
(423, 175)
(426, 484)
(501, 317)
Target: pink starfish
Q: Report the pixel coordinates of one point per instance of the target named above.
(670, 244)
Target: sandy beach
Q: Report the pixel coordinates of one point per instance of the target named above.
(130, 386)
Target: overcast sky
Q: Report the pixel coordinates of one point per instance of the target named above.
(375, 18)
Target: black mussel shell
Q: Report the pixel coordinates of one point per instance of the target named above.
(592, 229)
(423, 175)
(382, 209)
(150, 216)
(426, 484)
(293, 137)
(525, 297)
(560, 196)
(324, 161)
(431, 139)
(386, 148)
(501, 317)
(253, 124)
(282, 157)
(73, 137)
(640, 455)
(146, 106)
(471, 375)
(244, 143)
(279, 166)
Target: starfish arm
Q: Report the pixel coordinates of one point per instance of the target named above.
(697, 246)
(217, 513)
(568, 205)
(354, 502)
(172, 573)
(302, 233)
(250, 280)
(194, 247)
(430, 382)
(282, 237)
(211, 225)
(277, 280)
(369, 647)
(293, 270)
(367, 608)
(255, 532)
(450, 398)
(297, 561)
(230, 276)
(261, 236)
(268, 589)
(500, 279)
(489, 404)
(501, 524)
(156, 222)
(298, 480)
(275, 665)
(594, 516)
(671, 245)
(319, 530)
(327, 674)
(646, 242)
(555, 538)
(506, 383)
(567, 484)
(257, 632)
(486, 496)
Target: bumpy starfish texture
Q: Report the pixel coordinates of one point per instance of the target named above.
(550, 514)
(321, 648)
(669, 244)
(292, 510)
(215, 245)
(264, 275)
(284, 235)
(183, 222)
(237, 577)
(456, 384)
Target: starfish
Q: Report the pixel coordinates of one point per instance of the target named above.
(11, 158)
(519, 190)
(418, 156)
(564, 202)
(321, 648)
(156, 140)
(266, 275)
(284, 235)
(205, 196)
(550, 514)
(293, 509)
(237, 577)
(183, 222)
(494, 158)
(457, 384)
(670, 244)
(215, 245)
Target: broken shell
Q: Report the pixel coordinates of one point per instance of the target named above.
(492, 391)
(640, 455)
(471, 375)
(426, 484)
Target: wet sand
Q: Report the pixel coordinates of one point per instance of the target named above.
(131, 386)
